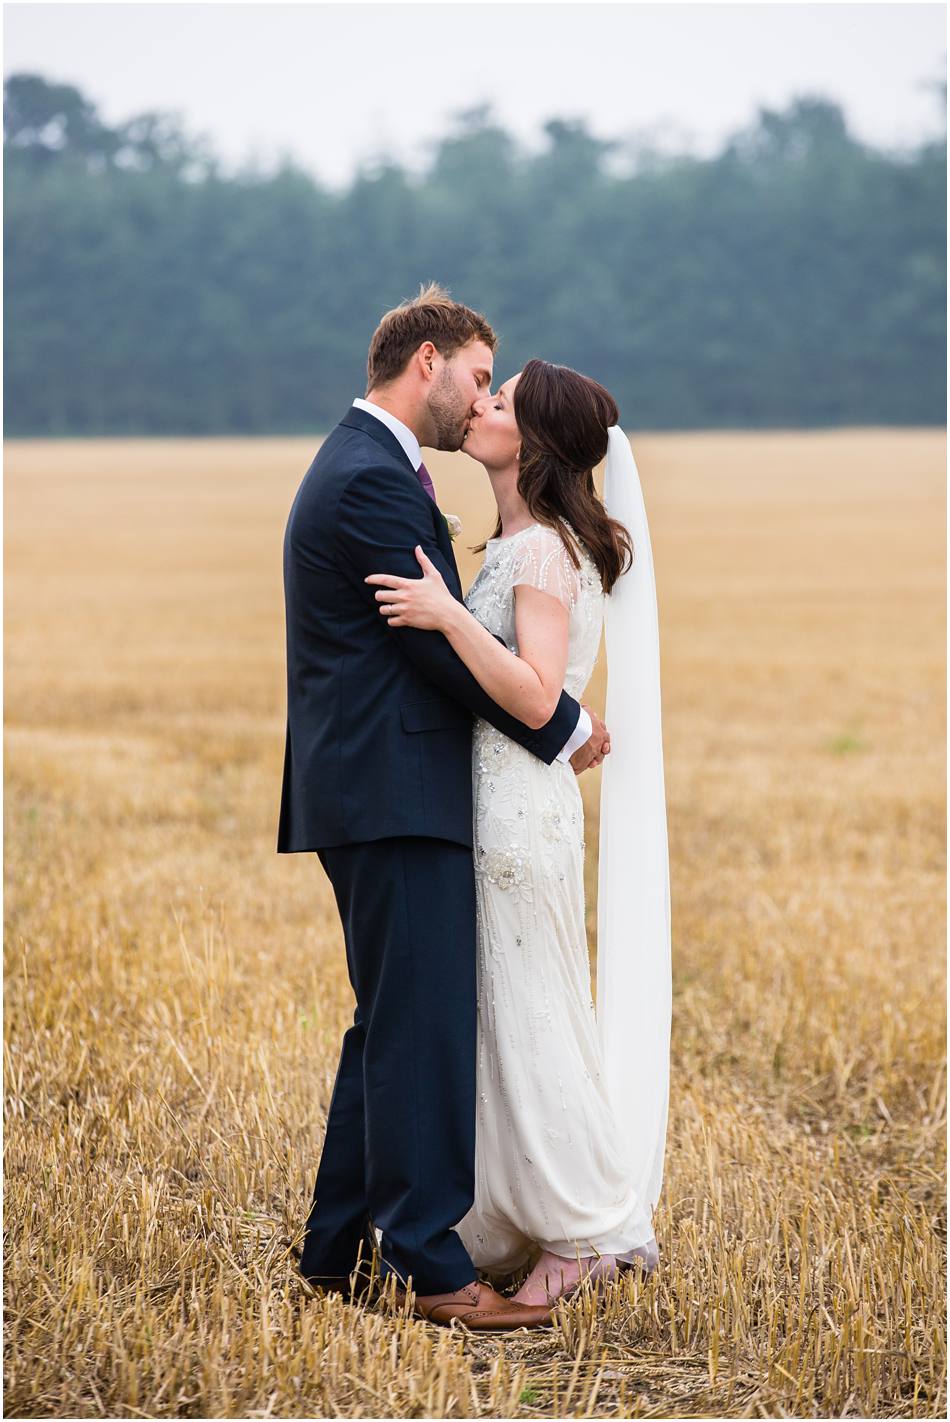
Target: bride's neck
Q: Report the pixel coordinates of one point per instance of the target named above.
(512, 509)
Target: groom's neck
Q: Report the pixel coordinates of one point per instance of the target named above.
(401, 404)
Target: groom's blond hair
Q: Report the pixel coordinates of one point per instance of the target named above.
(430, 316)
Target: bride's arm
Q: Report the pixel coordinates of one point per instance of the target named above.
(528, 686)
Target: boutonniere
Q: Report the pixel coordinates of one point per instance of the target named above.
(455, 525)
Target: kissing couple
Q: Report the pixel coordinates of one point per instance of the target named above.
(484, 1117)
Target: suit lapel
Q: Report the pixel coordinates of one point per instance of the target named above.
(444, 539)
(357, 419)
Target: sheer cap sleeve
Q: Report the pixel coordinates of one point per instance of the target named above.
(541, 561)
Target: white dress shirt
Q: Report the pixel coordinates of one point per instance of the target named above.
(405, 436)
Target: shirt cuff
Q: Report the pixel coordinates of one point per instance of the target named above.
(582, 733)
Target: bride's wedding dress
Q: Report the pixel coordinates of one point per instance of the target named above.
(552, 1168)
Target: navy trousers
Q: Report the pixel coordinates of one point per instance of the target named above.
(400, 1139)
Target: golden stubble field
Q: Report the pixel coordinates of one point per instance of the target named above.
(175, 991)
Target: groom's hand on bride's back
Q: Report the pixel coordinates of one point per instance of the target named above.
(592, 752)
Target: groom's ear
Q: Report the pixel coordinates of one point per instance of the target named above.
(427, 356)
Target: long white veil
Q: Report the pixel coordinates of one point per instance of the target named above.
(634, 963)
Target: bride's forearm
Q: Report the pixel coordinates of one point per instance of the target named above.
(513, 683)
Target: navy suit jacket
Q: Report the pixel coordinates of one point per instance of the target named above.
(379, 718)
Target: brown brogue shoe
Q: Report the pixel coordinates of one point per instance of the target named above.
(478, 1307)
(355, 1286)
(362, 1278)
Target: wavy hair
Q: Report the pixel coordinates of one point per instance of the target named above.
(563, 418)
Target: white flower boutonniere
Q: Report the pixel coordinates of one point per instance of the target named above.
(455, 525)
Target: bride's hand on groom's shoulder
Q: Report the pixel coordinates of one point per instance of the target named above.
(415, 602)
(592, 752)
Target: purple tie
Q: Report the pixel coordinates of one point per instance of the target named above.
(426, 481)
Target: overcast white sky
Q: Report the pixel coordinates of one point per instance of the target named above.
(333, 84)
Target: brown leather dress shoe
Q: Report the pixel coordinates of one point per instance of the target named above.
(356, 1285)
(478, 1307)
(359, 1283)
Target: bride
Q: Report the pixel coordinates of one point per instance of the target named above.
(571, 1104)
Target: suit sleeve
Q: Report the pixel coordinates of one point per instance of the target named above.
(380, 519)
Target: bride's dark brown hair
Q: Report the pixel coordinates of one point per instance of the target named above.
(563, 417)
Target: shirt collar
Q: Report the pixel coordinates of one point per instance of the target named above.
(402, 432)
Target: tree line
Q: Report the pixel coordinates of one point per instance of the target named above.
(796, 277)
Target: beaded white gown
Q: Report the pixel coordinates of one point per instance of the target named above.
(551, 1168)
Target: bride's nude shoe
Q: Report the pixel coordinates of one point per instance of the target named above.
(570, 1274)
(560, 1277)
(478, 1307)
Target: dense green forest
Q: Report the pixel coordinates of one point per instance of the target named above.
(797, 277)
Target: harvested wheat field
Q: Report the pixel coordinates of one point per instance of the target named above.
(176, 991)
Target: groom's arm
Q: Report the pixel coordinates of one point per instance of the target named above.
(379, 522)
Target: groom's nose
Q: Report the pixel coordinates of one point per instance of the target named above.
(478, 406)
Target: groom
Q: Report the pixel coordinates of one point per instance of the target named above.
(378, 781)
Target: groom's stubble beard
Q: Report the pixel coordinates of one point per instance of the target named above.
(450, 411)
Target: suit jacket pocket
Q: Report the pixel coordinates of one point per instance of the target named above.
(435, 714)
